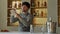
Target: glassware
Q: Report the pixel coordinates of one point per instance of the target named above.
(43, 28)
(51, 26)
(31, 28)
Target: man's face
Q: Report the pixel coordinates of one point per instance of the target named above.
(24, 8)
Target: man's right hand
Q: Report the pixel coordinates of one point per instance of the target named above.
(17, 15)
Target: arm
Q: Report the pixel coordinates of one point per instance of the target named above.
(13, 18)
(25, 22)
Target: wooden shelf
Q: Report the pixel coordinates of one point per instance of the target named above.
(40, 17)
(38, 7)
(39, 24)
(14, 8)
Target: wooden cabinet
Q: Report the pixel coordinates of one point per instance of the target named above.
(39, 11)
(11, 5)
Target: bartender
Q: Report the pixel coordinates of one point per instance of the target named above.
(24, 18)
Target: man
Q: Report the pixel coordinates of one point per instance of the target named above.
(24, 18)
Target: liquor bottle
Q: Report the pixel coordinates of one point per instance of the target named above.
(34, 13)
(32, 3)
(38, 3)
(41, 13)
(45, 4)
(37, 13)
(15, 5)
(49, 24)
(19, 6)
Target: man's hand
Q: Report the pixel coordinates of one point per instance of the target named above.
(13, 11)
(17, 15)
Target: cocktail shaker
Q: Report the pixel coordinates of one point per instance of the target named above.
(51, 26)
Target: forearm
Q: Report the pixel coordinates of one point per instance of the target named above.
(24, 22)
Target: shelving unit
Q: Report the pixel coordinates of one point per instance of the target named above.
(39, 11)
(38, 7)
(13, 4)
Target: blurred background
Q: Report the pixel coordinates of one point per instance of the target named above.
(40, 9)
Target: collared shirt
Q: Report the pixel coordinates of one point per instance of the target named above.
(24, 22)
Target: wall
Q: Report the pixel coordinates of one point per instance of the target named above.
(52, 11)
(3, 16)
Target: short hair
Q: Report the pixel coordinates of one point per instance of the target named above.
(26, 3)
